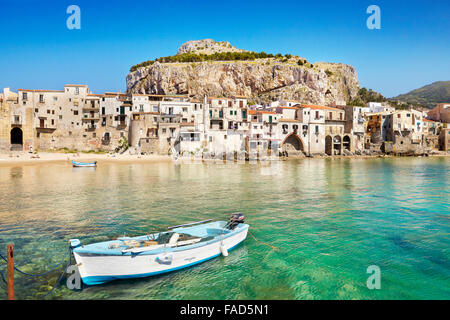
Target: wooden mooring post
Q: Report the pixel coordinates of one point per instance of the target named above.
(10, 272)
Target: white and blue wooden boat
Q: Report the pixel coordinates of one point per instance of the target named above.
(84, 164)
(183, 246)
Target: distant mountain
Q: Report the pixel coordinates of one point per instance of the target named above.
(428, 96)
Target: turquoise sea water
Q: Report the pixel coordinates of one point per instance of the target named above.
(329, 218)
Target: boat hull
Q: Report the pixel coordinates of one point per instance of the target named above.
(97, 269)
(84, 164)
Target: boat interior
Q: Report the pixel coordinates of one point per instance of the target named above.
(179, 237)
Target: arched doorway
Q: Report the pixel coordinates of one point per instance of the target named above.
(16, 138)
(328, 145)
(337, 145)
(346, 143)
(292, 145)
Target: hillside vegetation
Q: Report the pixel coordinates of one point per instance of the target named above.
(217, 56)
(428, 96)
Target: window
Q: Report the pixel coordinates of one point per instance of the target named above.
(77, 90)
(75, 112)
(103, 110)
(317, 129)
(53, 121)
(24, 96)
(317, 115)
(48, 111)
(36, 110)
(60, 117)
(41, 98)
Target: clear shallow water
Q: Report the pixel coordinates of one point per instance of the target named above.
(330, 220)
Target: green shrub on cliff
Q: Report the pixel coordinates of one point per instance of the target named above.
(217, 56)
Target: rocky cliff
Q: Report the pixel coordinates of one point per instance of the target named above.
(261, 80)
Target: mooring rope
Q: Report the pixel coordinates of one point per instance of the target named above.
(43, 274)
(38, 274)
(3, 277)
(273, 247)
(62, 274)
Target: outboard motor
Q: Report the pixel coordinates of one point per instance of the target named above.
(235, 219)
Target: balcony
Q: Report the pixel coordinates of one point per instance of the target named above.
(45, 129)
(91, 117)
(88, 109)
(91, 127)
(16, 121)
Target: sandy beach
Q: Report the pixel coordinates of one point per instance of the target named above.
(24, 158)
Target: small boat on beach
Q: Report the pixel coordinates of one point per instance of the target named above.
(84, 164)
(180, 247)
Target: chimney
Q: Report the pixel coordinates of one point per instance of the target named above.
(6, 93)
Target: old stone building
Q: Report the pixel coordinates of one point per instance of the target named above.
(405, 131)
(76, 119)
(354, 125)
(57, 119)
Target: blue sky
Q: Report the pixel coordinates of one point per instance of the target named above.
(39, 52)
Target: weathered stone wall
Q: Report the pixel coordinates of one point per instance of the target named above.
(406, 145)
(5, 126)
